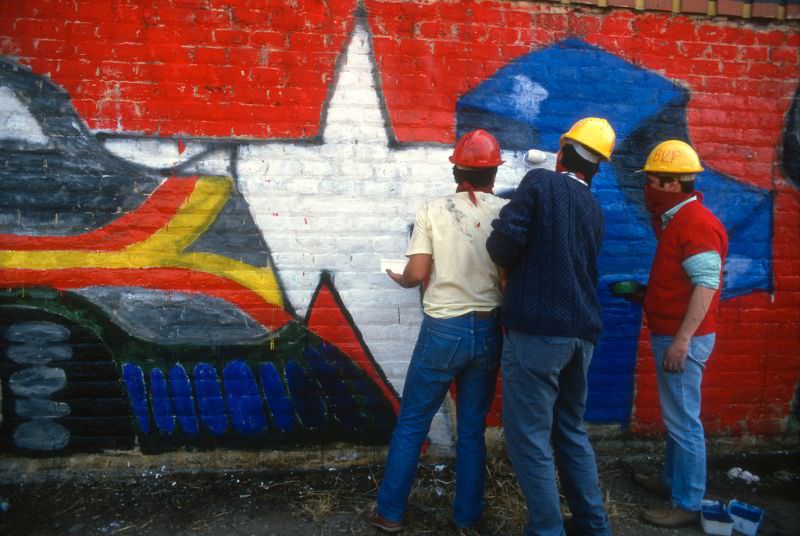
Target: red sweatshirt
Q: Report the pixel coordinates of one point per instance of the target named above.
(692, 230)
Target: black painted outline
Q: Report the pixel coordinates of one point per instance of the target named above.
(326, 281)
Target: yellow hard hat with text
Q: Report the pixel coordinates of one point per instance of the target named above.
(673, 156)
(594, 133)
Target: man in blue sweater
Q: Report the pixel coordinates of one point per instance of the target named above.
(548, 238)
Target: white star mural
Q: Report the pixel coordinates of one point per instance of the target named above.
(340, 205)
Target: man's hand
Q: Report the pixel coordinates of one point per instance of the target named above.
(417, 272)
(699, 303)
(397, 278)
(503, 272)
(675, 356)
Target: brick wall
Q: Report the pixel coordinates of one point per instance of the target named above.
(333, 122)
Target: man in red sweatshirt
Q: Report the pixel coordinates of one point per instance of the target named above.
(681, 309)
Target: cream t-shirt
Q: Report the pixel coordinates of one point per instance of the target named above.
(454, 232)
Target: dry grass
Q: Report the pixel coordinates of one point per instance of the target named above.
(504, 497)
(430, 503)
(317, 505)
(620, 504)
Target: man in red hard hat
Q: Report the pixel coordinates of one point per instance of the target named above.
(459, 339)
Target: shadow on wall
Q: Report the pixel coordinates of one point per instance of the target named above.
(791, 142)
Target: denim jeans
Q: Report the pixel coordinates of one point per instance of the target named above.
(685, 453)
(465, 350)
(544, 398)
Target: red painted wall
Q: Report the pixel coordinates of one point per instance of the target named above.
(226, 68)
(216, 68)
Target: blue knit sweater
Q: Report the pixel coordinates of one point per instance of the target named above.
(549, 236)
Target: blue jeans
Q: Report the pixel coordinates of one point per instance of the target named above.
(464, 349)
(685, 456)
(544, 398)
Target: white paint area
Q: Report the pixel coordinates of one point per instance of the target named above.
(343, 205)
(526, 97)
(16, 122)
(169, 153)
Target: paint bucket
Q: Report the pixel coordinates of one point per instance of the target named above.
(747, 519)
(715, 519)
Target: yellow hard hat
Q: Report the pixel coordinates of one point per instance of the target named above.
(673, 156)
(593, 133)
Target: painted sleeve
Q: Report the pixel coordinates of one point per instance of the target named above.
(421, 235)
(511, 229)
(703, 269)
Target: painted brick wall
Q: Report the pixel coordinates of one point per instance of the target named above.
(333, 122)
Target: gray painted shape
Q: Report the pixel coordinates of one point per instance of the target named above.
(70, 185)
(41, 434)
(38, 354)
(176, 317)
(32, 408)
(234, 234)
(37, 381)
(36, 331)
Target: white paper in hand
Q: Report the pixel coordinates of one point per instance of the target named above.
(395, 265)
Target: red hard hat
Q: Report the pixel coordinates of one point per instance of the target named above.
(477, 149)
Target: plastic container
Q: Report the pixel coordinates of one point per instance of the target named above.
(715, 519)
(747, 519)
(626, 288)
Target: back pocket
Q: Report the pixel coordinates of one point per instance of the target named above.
(440, 349)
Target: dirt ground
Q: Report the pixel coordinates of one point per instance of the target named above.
(157, 503)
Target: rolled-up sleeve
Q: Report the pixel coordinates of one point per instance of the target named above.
(703, 269)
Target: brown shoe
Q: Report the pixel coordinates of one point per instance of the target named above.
(671, 517)
(651, 483)
(380, 522)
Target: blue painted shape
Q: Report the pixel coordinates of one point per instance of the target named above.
(746, 212)
(305, 395)
(209, 398)
(137, 394)
(162, 406)
(277, 400)
(245, 406)
(532, 101)
(341, 400)
(548, 90)
(183, 400)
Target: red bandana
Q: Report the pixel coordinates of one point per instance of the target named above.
(466, 186)
(659, 201)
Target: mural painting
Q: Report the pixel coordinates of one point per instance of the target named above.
(137, 303)
(206, 274)
(525, 106)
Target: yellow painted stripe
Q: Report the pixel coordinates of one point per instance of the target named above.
(164, 249)
(191, 220)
